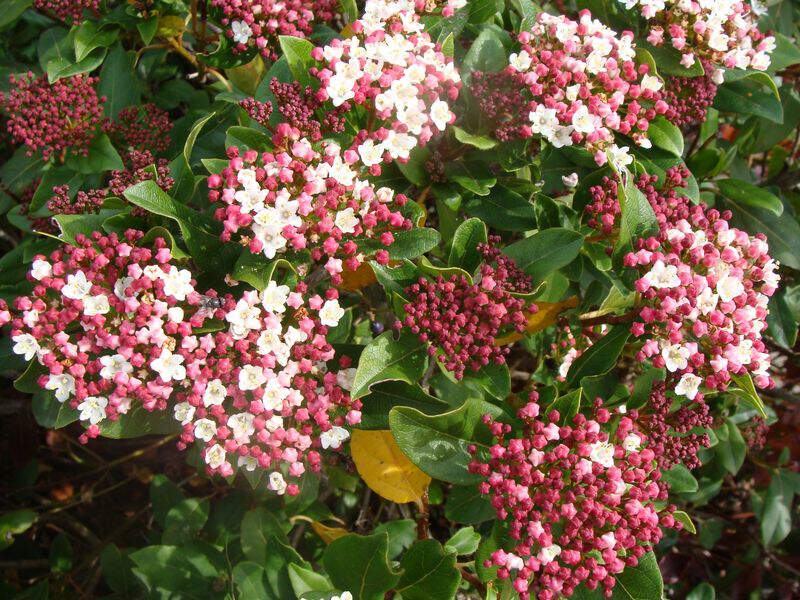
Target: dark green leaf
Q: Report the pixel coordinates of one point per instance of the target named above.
(601, 356)
(360, 565)
(429, 573)
(545, 251)
(387, 359)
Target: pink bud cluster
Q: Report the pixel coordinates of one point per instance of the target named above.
(462, 320)
(302, 108)
(392, 67)
(675, 436)
(69, 11)
(704, 290)
(84, 202)
(579, 503)
(257, 24)
(52, 119)
(259, 395)
(689, 98)
(142, 128)
(724, 33)
(512, 277)
(118, 328)
(585, 85)
(140, 166)
(305, 199)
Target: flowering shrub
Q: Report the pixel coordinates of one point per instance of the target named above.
(420, 299)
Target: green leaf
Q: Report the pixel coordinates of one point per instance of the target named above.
(464, 541)
(251, 581)
(669, 61)
(384, 396)
(247, 137)
(257, 270)
(493, 378)
(164, 494)
(102, 157)
(12, 10)
(185, 520)
(744, 193)
(50, 413)
(438, 444)
(745, 389)
(683, 518)
(60, 68)
(188, 146)
(785, 55)
(775, 514)
(118, 81)
(783, 233)
(748, 97)
(481, 142)
(504, 209)
(298, 54)
(680, 480)
(637, 218)
(545, 251)
(305, 580)
(464, 249)
(180, 571)
(473, 177)
(116, 569)
(429, 573)
(89, 36)
(642, 582)
(402, 533)
(139, 422)
(486, 54)
(360, 565)
(13, 523)
(781, 320)
(704, 591)
(465, 504)
(387, 359)
(731, 448)
(666, 136)
(567, 406)
(601, 356)
(259, 526)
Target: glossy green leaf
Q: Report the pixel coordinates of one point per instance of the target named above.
(387, 359)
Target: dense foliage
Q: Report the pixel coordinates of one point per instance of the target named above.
(415, 299)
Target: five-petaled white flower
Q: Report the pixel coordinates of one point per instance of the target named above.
(93, 409)
(334, 437)
(331, 313)
(25, 344)
(169, 366)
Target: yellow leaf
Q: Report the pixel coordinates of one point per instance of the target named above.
(542, 319)
(170, 26)
(384, 467)
(360, 278)
(328, 534)
(247, 77)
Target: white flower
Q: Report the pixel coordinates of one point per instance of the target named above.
(602, 453)
(113, 365)
(241, 32)
(662, 276)
(274, 395)
(521, 61)
(440, 114)
(548, 554)
(178, 283)
(248, 463)
(688, 386)
(78, 287)
(330, 313)
(334, 437)
(618, 156)
(346, 220)
(63, 385)
(277, 483)
(274, 297)
(244, 315)
(399, 145)
(583, 121)
(184, 412)
(241, 426)
(41, 269)
(632, 442)
(215, 456)
(169, 366)
(273, 423)
(345, 378)
(676, 357)
(251, 377)
(371, 153)
(570, 180)
(340, 89)
(96, 305)
(175, 314)
(649, 82)
(121, 285)
(153, 272)
(514, 562)
(729, 287)
(214, 393)
(26, 345)
(706, 301)
(287, 210)
(92, 409)
(205, 429)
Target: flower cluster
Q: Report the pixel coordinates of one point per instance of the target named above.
(256, 24)
(103, 317)
(689, 98)
(303, 199)
(503, 100)
(84, 202)
(675, 436)
(447, 8)
(140, 166)
(579, 503)
(507, 273)
(259, 395)
(69, 11)
(302, 108)
(116, 325)
(462, 320)
(584, 85)
(52, 118)
(142, 128)
(723, 32)
(704, 289)
(391, 66)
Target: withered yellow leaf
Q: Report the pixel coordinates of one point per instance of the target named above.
(384, 467)
(360, 278)
(328, 534)
(542, 319)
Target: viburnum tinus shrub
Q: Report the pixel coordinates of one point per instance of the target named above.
(399, 298)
